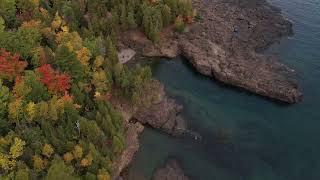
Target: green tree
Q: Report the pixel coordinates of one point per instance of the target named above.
(26, 5)
(22, 174)
(166, 15)
(90, 130)
(59, 170)
(117, 144)
(4, 100)
(67, 62)
(70, 15)
(173, 4)
(123, 16)
(152, 22)
(38, 92)
(21, 41)
(2, 25)
(179, 24)
(131, 19)
(112, 53)
(8, 11)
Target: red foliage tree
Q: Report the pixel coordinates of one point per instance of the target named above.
(10, 66)
(56, 82)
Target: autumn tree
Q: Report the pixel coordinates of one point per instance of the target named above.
(31, 111)
(87, 160)
(47, 150)
(77, 152)
(56, 82)
(101, 81)
(38, 163)
(103, 174)
(10, 65)
(15, 110)
(11, 148)
(68, 157)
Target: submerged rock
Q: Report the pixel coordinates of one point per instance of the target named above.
(171, 171)
(224, 43)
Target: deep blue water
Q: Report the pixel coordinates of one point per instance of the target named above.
(245, 137)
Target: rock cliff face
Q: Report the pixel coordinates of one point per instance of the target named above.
(224, 43)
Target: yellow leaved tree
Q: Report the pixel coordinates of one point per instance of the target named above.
(8, 159)
(47, 150)
(77, 152)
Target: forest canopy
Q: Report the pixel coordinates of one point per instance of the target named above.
(58, 70)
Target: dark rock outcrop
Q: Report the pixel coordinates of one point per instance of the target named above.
(171, 171)
(224, 43)
(164, 115)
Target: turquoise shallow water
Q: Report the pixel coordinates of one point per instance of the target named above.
(245, 137)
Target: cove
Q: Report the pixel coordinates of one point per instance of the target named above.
(244, 136)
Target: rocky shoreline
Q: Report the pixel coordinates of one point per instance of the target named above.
(222, 45)
(161, 113)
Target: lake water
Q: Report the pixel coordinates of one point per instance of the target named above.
(244, 136)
